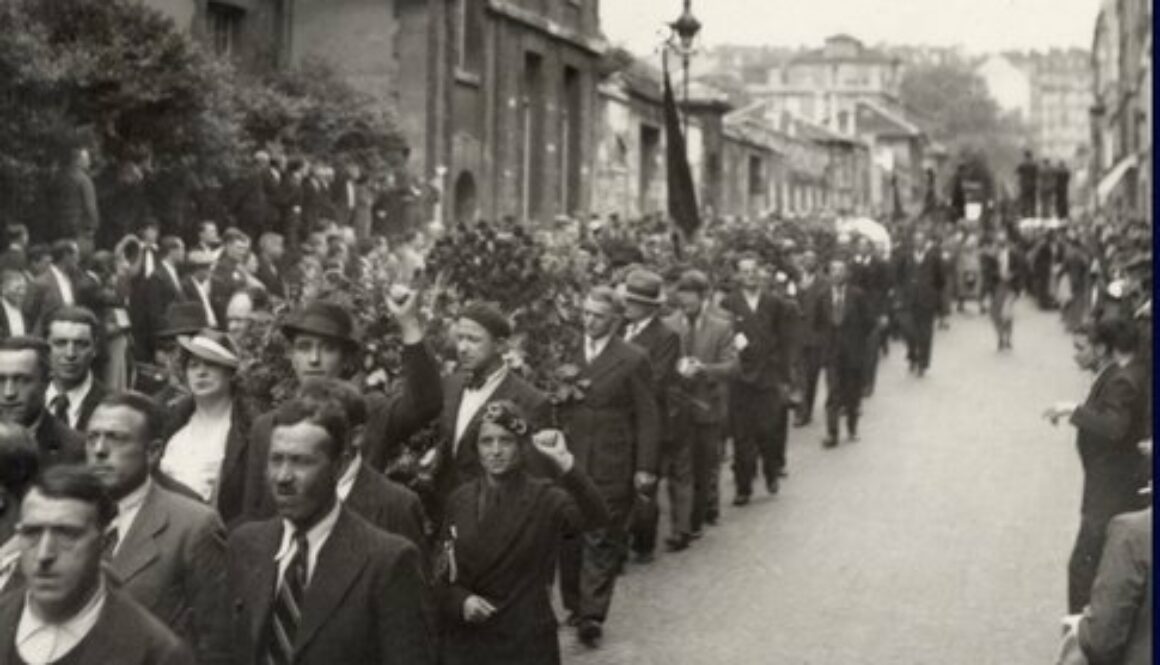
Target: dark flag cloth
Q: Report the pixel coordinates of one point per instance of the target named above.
(682, 196)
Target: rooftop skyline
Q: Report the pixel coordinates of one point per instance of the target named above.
(975, 25)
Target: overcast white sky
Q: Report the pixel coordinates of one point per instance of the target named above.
(977, 25)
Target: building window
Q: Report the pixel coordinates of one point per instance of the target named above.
(224, 23)
(469, 34)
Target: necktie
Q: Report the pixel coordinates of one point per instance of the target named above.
(839, 306)
(60, 407)
(109, 546)
(287, 612)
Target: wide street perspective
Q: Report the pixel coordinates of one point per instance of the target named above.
(941, 537)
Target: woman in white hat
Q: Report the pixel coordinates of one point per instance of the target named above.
(205, 452)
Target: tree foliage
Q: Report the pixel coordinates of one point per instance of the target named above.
(121, 78)
(963, 116)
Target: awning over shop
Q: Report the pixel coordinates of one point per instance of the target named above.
(1108, 183)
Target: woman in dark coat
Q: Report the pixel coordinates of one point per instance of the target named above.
(500, 541)
(208, 433)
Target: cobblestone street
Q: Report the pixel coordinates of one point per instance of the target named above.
(940, 538)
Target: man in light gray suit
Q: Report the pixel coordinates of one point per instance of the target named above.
(166, 550)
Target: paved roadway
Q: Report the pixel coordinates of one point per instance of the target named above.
(940, 538)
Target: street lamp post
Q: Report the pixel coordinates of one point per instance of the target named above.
(684, 34)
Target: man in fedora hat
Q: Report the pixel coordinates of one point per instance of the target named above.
(162, 379)
(643, 299)
(708, 361)
(323, 342)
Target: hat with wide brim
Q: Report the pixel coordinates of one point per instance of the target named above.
(644, 287)
(182, 318)
(212, 347)
(324, 319)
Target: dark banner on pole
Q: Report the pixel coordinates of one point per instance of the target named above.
(682, 195)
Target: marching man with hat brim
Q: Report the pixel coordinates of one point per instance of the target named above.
(324, 344)
(644, 299)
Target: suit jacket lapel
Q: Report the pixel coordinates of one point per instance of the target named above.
(236, 440)
(138, 548)
(262, 575)
(603, 362)
(339, 563)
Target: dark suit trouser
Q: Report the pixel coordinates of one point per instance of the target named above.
(811, 369)
(873, 348)
(677, 471)
(843, 395)
(758, 417)
(643, 523)
(1084, 561)
(706, 459)
(920, 337)
(590, 562)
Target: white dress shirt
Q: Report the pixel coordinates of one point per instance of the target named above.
(65, 285)
(594, 347)
(15, 319)
(172, 272)
(635, 329)
(316, 537)
(127, 509)
(194, 454)
(75, 397)
(203, 295)
(752, 299)
(474, 399)
(346, 480)
(40, 643)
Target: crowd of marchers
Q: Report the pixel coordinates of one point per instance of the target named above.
(148, 514)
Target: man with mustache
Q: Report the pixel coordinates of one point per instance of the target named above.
(318, 584)
(167, 550)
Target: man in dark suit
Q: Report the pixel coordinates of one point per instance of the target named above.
(708, 363)
(19, 465)
(613, 431)
(481, 334)
(227, 275)
(322, 341)
(167, 551)
(74, 213)
(920, 280)
(196, 286)
(811, 287)
(1116, 627)
(846, 323)
(643, 297)
(24, 378)
(59, 285)
(70, 613)
(160, 289)
(318, 584)
(72, 342)
(870, 273)
(1109, 425)
(271, 249)
(252, 202)
(371, 495)
(758, 394)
